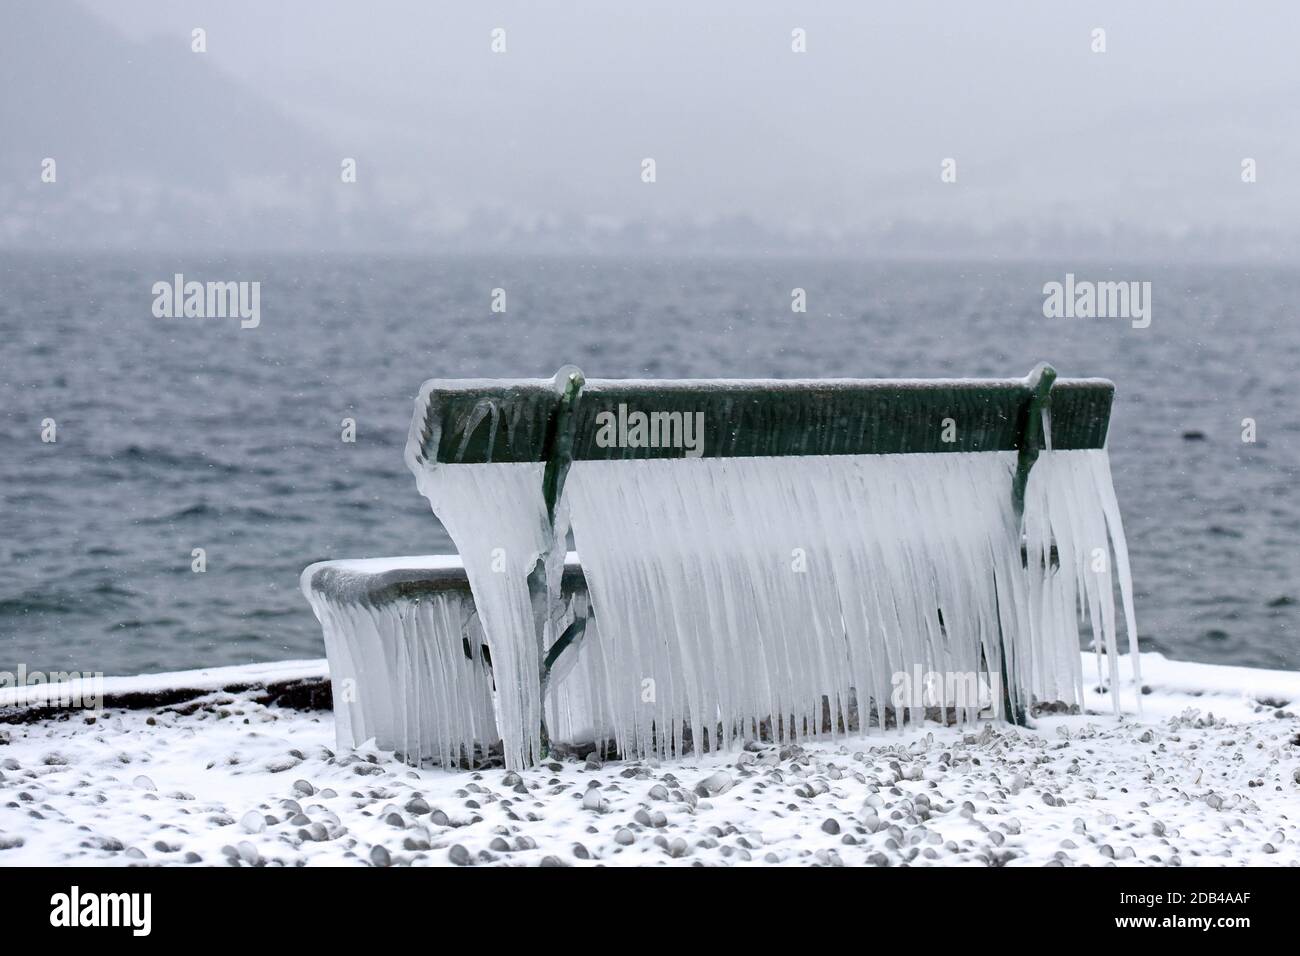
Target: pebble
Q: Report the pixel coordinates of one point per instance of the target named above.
(253, 822)
(459, 855)
(281, 764)
(715, 784)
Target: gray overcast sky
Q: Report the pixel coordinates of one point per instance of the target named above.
(1052, 141)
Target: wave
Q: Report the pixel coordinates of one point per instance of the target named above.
(204, 511)
(93, 600)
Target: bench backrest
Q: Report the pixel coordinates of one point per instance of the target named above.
(479, 421)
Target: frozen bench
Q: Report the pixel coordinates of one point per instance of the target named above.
(764, 557)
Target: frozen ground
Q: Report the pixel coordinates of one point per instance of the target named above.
(1207, 776)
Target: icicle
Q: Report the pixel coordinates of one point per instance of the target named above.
(746, 589)
(737, 592)
(497, 518)
(1072, 500)
(511, 544)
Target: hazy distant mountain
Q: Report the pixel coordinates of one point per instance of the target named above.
(1136, 152)
(152, 143)
(72, 88)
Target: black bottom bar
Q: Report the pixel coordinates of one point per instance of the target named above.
(243, 907)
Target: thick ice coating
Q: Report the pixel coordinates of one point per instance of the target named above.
(399, 669)
(408, 665)
(736, 591)
(796, 591)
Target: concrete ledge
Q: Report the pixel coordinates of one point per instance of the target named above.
(300, 684)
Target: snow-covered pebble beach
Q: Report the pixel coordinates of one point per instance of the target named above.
(1209, 774)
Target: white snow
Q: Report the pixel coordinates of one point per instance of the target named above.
(224, 779)
(373, 566)
(494, 386)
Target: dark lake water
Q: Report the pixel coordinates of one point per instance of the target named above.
(176, 434)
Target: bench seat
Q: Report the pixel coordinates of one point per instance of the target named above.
(408, 664)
